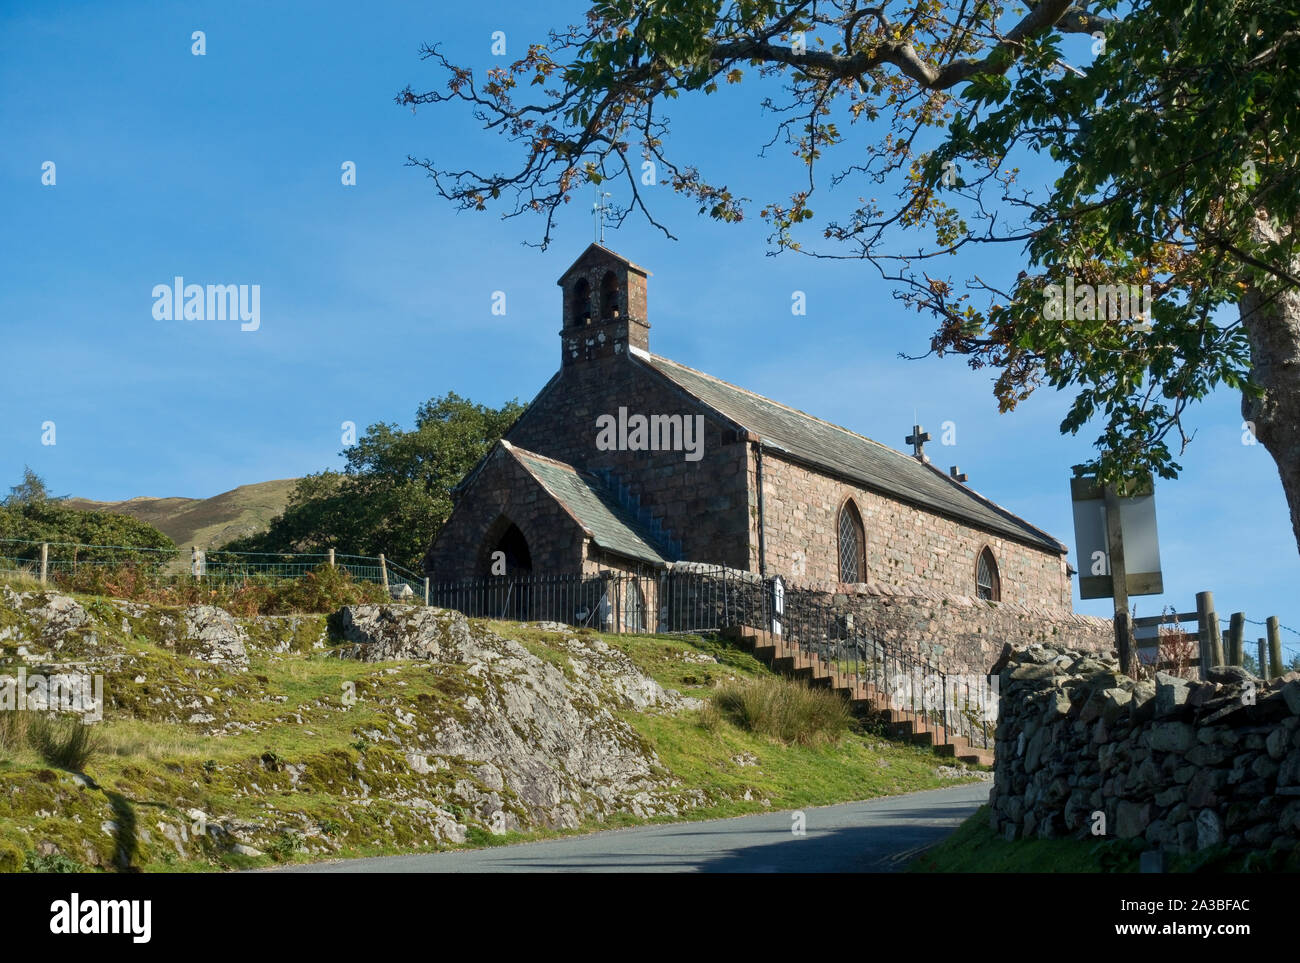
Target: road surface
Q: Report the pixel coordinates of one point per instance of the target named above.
(876, 835)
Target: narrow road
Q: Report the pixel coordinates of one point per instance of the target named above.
(876, 835)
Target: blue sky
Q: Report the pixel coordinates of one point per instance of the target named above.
(225, 168)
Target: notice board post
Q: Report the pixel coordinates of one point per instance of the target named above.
(1118, 548)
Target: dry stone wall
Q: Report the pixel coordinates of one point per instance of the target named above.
(1184, 766)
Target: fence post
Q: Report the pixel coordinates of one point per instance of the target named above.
(383, 570)
(1204, 612)
(1263, 658)
(331, 558)
(1216, 639)
(45, 560)
(426, 590)
(1274, 647)
(1236, 638)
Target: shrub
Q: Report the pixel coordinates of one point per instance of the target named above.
(53, 863)
(62, 740)
(321, 591)
(781, 708)
(284, 846)
(51, 520)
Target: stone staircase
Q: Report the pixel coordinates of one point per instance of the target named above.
(789, 659)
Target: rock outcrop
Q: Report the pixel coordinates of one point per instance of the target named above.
(546, 733)
(214, 636)
(443, 730)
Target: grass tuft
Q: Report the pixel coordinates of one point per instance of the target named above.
(781, 708)
(21, 579)
(63, 741)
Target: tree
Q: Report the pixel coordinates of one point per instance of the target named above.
(396, 489)
(30, 490)
(30, 516)
(1170, 165)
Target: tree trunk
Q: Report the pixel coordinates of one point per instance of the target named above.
(1272, 323)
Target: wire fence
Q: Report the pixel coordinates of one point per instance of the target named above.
(1290, 649)
(61, 562)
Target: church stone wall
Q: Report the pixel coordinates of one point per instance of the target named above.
(961, 633)
(505, 487)
(906, 546)
(702, 504)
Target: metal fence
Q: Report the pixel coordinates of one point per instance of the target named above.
(61, 562)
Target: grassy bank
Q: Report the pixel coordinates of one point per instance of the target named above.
(975, 848)
(299, 749)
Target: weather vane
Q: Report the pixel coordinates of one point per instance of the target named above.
(598, 211)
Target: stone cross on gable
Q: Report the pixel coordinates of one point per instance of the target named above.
(917, 440)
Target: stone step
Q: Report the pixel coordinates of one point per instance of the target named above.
(864, 697)
(954, 745)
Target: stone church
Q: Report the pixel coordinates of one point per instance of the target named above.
(630, 462)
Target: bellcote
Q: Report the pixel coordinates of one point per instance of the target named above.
(604, 307)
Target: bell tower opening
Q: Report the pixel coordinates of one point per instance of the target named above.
(581, 303)
(609, 309)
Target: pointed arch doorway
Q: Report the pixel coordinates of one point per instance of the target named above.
(507, 563)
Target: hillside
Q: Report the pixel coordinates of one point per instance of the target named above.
(205, 522)
(230, 743)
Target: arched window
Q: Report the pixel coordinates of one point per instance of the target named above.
(987, 583)
(853, 541)
(582, 302)
(609, 307)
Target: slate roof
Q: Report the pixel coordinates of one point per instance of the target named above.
(852, 456)
(611, 525)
